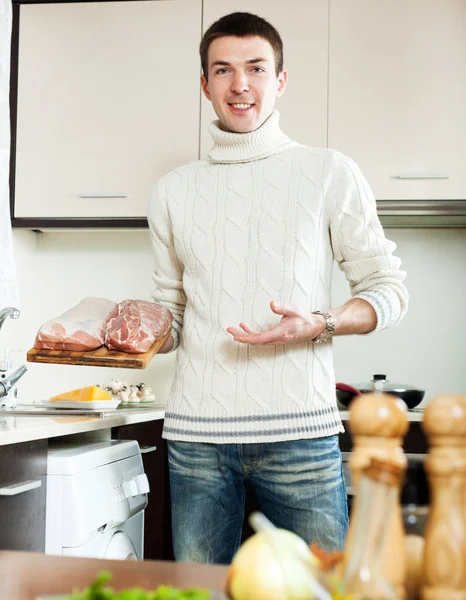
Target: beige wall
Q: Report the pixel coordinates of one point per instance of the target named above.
(56, 270)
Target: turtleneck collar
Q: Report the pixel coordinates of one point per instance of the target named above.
(230, 147)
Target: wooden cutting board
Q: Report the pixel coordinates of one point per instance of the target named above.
(102, 357)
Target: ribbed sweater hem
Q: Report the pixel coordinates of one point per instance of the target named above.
(252, 428)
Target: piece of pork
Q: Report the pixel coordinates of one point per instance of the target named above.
(138, 325)
(81, 328)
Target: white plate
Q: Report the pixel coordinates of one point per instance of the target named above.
(88, 405)
(151, 403)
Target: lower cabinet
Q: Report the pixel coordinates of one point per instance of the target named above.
(23, 469)
(157, 519)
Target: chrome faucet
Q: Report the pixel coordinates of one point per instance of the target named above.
(10, 380)
(9, 311)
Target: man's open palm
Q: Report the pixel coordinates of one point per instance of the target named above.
(295, 326)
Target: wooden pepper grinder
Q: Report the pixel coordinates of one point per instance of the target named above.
(444, 564)
(378, 423)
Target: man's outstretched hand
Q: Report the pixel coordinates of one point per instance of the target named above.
(295, 326)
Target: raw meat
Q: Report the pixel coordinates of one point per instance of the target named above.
(81, 328)
(138, 325)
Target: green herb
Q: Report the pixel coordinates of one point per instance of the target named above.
(99, 591)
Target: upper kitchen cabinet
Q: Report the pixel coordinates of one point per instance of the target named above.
(303, 27)
(397, 94)
(108, 101)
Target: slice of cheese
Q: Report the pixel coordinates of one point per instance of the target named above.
(85, 394)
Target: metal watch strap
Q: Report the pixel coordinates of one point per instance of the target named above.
(329, 330)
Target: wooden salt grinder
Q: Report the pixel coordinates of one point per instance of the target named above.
(444, 564)
(378, 423)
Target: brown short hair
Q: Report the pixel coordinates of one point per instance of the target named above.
(242, 24)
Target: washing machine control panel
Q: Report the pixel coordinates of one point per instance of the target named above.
(136, 486)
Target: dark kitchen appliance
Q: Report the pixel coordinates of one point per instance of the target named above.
(411, 395)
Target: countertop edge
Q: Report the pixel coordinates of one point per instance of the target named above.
(33, 428)
(17, 429)
(413, 416)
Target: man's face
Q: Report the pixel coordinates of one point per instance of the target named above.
(242, 83)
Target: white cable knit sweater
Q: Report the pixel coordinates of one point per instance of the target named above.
(262, 218)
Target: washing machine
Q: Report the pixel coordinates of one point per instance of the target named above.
(96, 496)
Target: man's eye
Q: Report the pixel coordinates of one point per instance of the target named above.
(258, 69)
(220, 71)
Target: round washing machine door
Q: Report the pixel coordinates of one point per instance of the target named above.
(120, 547)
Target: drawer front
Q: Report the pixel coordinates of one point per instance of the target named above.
(22, 496)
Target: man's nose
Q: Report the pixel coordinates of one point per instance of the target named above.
(239, 83)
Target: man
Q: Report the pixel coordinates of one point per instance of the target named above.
(244, 243)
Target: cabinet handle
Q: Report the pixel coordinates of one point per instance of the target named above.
(19, 488)
(148, 449)
(422, 177)
(102, 196)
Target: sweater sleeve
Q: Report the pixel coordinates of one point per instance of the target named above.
(360, 247)
(168, 270)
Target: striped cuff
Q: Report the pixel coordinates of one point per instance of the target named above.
(176, 332)
(386, 304)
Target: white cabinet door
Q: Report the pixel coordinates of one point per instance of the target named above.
(303, 27)
(397, 94)
(108, 100)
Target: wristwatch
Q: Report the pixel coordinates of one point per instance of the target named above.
(329, 330)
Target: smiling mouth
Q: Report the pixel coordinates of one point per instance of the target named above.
(240, 105)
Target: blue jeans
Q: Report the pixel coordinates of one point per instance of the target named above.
(299, 485)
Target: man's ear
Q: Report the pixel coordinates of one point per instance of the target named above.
(282, 81)
(205, 87)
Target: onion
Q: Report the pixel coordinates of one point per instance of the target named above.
(274, 565)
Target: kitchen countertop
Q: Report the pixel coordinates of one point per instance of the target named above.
(19, 428)
(26, 575)
(414, 415)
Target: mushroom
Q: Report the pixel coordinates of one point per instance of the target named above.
(133, 395)
(147, 395)
(124, 394)
(116, 386)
